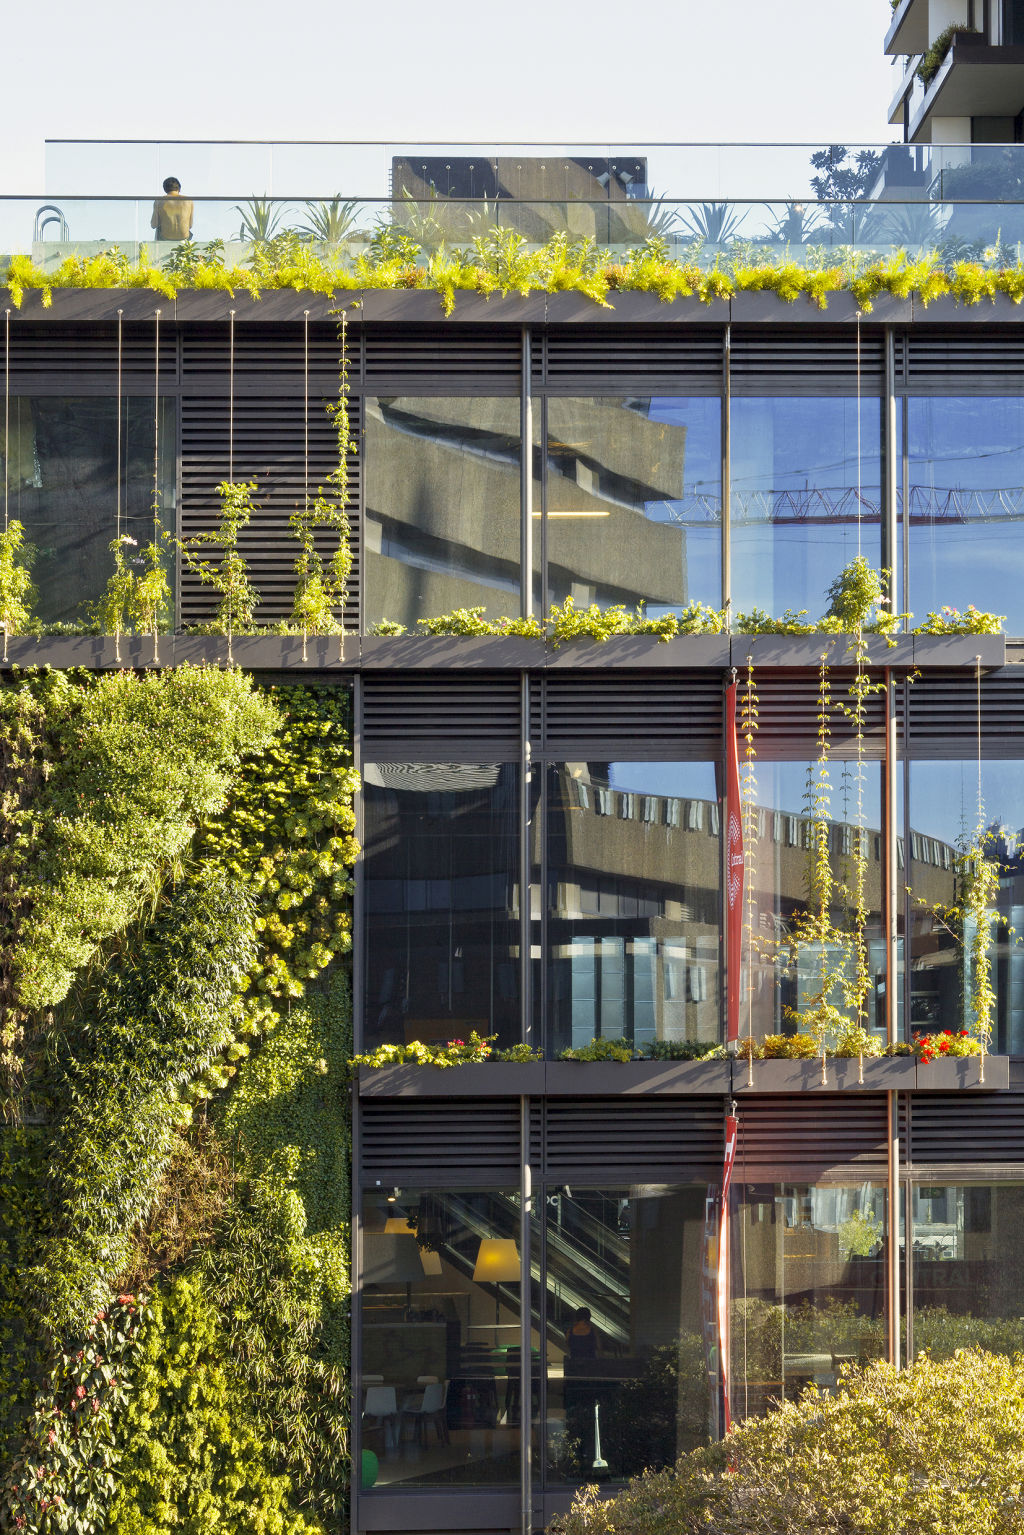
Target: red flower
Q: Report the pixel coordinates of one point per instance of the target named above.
(125, 1300)
(101, 1316)
(52, 1436)
(79, 1392)
(95, 1404)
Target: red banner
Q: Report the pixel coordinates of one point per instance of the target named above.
(734, 869)
(731, 1128)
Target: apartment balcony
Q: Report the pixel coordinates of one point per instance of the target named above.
(976, 79)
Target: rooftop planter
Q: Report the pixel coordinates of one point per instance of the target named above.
(907, 651)
(566, 1079)
(563, 1079)
(479, 1079)
(989, 1073)
(873, 1075)
(414, 651)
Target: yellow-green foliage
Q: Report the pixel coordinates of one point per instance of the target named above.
(935, 1449)
(288, 834)
(104, 782)
(190, 1459)
(22, 1158)
(16, 593)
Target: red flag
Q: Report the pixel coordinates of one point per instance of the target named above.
(731, 1128)
(734, 869)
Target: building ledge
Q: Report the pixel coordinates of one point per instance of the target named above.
(975, 78)
(908, 29)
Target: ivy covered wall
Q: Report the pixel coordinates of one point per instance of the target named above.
(175, 880)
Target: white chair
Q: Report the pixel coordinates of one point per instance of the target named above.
(380, 1410)
(432, 1407)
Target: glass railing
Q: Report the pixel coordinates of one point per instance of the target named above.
(342, 232)
(235, 171)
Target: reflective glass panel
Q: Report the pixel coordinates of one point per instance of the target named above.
(441, 870)
(943, 816)
(966, 505)
(634, 501)
(442, 507)
(780, 974)
(62, 479)
(968, 1267)
(439, 1395)
(633, 902)
(797, 516)
(627, 1377)
(808, 1271)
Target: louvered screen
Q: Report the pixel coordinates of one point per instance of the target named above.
(788, 703)
(73, 359)
(435, 1144)
(653, 715)
(981, 359)
(801, 1140)
(445, 359)
(629, 1142)
(415, 715)
(268, 448)
(967, 1127)
(269, 359)
(681, 360)
(810, 360)
(944, 714)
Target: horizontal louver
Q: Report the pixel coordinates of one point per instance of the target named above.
(420, 714)
(268, 359)
(800, 1140)
(268, 448)
(967, 1127)
(685, 360)
(431, 1143)
(807, 360)
(629, 1141)
(788, 705)
(456, 357)
(656, 715)
(70, 359)
(970, 360)
(944, 714)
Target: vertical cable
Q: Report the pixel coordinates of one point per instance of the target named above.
(117, 474)
(231, 399)
(156, 430)
(7, 414)
(858, 437)
(305, 407)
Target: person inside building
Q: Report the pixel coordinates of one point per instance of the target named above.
(172, 213)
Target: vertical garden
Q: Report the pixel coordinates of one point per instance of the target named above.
(175, 874)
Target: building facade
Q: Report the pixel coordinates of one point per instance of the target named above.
(536, 1242)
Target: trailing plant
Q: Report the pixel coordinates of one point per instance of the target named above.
(17, 593)
(229, 576)
(935, 57)
(322, 590)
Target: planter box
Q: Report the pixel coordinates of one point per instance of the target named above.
(806, 650)
(888, 1074)
(96, 652)
(569, 1079)
(960, 650)
(633, 309)
(643, 650)
(842, 309)
(257, 652)
(947, 1076)
(480, 652)
(486, 1079)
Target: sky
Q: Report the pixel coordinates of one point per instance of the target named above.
(542, 70)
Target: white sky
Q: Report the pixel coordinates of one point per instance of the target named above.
(811, 71)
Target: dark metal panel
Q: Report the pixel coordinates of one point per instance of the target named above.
(771, 360)
(653, 715)
(424, 715)
(267, 360)
(82, 359)
(576, 360)
(616, 1139)
(440, 359)
(974, 360)
(435, 1144)
(268, 448)
(802, 1140)
(964, 1128)
(943, 709)
(788, 704)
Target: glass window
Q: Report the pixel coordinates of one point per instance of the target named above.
(634, 502)
(797, 517)
(440, 1398)
(808, 1275)
(63, 487)
(441, 871)
(779, 975)
(966, 509)
(943, 816)
(633, 902)
(968, 1267)
(442, 507)
(627, 1376)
